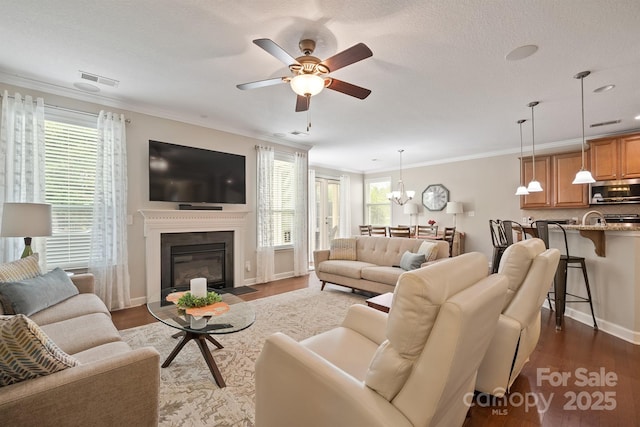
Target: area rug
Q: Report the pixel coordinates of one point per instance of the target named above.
(188, 394)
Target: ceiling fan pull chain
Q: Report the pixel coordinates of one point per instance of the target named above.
(308, 114)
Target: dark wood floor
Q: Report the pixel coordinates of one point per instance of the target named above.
(577, 352)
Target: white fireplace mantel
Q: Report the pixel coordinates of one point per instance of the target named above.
(158, 221)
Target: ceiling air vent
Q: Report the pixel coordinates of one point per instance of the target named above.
(610, 122)
(99, 79)
(298, 133)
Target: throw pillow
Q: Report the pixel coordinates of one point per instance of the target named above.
(430, 251)
(32, 295)
(344, 249)
(411, 261)
(21, 269)
(27, 352)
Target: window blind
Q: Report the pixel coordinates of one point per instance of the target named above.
(283, 199)
(70, 164)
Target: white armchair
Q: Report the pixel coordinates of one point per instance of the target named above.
(415, 366)
(530, 270)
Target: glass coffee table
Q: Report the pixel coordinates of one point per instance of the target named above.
(239, 316)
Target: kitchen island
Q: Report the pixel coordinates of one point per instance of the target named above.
(612, 256)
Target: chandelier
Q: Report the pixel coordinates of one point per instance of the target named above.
(400, 196)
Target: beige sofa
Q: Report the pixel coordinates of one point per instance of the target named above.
(376, 267)
(113, 385)
(415, 366)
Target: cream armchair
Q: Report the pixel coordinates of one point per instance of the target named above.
(415, 366)
(530, 270)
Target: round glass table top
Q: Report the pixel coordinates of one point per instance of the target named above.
(239, 316)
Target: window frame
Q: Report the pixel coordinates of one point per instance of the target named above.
(76, 241)
(367, 199)
(283, 157)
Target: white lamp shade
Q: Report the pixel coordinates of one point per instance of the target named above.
(454, 208)
(583, 177)
(26, 220)
(410, 209)
(534, 187)
(522, 191)
(307, 84)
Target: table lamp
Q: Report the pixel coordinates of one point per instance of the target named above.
(454, 208)
(26, 219)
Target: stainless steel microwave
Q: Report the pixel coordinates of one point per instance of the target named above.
(615, 192)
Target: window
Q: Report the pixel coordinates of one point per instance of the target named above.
(377, 205)
(70, 163)
(283, 199)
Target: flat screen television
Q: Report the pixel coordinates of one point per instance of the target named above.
(187, 174)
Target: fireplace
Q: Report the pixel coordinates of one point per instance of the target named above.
(159, 224)
(185, 256)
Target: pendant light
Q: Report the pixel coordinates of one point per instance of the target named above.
(534, 186)
(522, 190)
(400, 196)
(583, 176)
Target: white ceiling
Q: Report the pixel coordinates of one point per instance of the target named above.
(441, 86)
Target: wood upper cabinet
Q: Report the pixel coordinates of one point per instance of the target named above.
(543, 198)
(615, 157)
(566, 194)
(555, 173)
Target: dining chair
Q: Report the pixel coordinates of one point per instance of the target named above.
(399, 231)
(448, 236)
(427, 231)
(378, 230)
(365, 230)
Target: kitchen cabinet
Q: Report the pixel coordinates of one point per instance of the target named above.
(555, 173)
(616, 157)
(540, 199)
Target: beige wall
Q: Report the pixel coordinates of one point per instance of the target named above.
(144, 127)
(485, 187)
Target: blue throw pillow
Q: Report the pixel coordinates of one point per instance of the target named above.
(411, 261)
(32, 295)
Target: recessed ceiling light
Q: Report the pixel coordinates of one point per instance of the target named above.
(605, 88)
(279, 135)
(87, 87)
(521, 52)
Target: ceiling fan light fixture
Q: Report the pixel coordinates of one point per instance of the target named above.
(307, 84)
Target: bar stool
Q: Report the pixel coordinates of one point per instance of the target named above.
(499, 241)
(560, 284)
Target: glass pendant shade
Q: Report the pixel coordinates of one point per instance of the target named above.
(534, 187)
(522, 191)
(307, 84)
(583, 177)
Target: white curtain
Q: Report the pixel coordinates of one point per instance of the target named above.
(300, 217)
(311, 194)
(108, 259)
(265, 262)
(22, 156)
(345, 206)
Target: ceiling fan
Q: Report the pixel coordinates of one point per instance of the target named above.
(310, 74)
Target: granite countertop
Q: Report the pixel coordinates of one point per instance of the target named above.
(608, 227)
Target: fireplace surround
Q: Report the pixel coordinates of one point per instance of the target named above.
(159, 222)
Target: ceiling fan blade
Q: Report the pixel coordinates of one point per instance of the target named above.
(302, 103)
(261, 83)
(271, 47)
(348, 89)
(347, 57)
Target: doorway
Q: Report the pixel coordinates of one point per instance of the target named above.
(327, 221)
